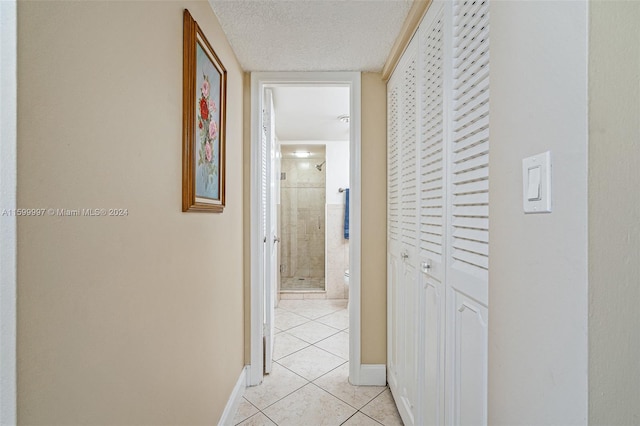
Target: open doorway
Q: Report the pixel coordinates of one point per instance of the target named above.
(313, 127)
(266, 286)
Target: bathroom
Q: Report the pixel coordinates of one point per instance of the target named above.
(313, 135)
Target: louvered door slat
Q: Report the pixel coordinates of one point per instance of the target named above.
(470, 103)
(473, 117)
(474, 46)
(432, 220)
(471, 130)
(471, 176)
(480, 235)
(432, 197)
(473, 162)
(432, 229)
(474, 260)
(474, 76)
(477, 247)
(465, 11)
(471, 211)
(479, 136)
(470, 46)
(479, 223)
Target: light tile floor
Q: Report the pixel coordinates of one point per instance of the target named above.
(309, 382)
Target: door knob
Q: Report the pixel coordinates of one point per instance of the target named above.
(276, 239)
(404, 255)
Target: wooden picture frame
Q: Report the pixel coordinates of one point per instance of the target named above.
(204, 100)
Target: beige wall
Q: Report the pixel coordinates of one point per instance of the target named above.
(374, 220)
(137, 319)
(614, 213)
(538, 263)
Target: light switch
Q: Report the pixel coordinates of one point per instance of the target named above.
(533, 192)
(536, 183)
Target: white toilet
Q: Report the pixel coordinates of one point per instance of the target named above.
(346, 281)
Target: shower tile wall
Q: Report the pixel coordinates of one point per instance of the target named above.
(302, 220)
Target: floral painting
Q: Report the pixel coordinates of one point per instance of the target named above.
(208, 124)
(204, 98)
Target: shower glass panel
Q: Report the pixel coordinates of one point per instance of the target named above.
(302, 184)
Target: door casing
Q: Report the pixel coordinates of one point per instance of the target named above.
(260, 81)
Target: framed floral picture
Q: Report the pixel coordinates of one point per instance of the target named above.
(203, 122)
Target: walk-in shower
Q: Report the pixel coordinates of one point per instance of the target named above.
(303, 198)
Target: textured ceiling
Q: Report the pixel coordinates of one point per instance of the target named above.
(311, 35)
(311, 113)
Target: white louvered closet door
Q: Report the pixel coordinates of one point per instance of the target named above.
(407, 308)
(468, 215)
(393, 227)
(432, 219)
(438, 223)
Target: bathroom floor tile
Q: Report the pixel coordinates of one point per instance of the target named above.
(286, 344)
(314, 309)
(312, 331)
(257, 420)
(338, 344)
(359, 419)
(383, 409)
(280, 383)
(285, 320)
(245, 410)
(309, 406)
(311, 362)
(336, 382)
(339, 319)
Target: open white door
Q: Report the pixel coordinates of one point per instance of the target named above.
(271, 225)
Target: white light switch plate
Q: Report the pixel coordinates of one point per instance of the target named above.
(536, 183)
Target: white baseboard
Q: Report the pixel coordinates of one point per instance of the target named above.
(373, 375)
(234, 400)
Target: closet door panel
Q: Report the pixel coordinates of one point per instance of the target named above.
(432, 352)
(407, 308)
(468, 215)
(469, 396)
(432, 198)
(394, 306)
(407, 397)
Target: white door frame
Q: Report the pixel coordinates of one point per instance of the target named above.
(8, 179)
(259, 81)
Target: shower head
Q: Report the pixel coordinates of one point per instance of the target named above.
(319, 166)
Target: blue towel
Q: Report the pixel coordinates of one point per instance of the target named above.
(346, 214)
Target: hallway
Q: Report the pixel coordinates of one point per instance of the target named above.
(309, 382)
